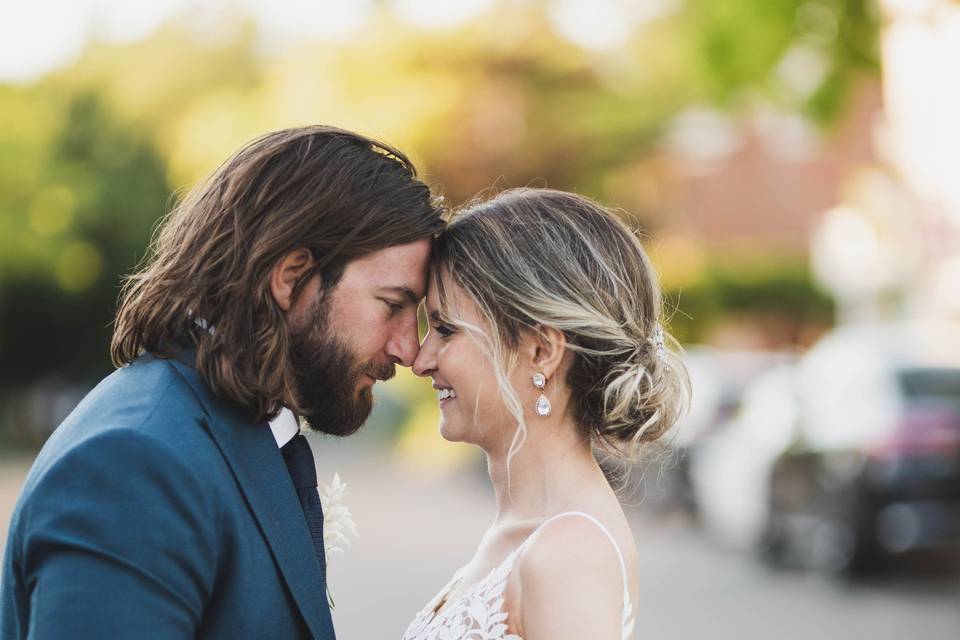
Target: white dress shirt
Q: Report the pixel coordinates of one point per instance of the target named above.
(284, 427)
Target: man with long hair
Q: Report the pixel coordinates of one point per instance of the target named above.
(178, 499)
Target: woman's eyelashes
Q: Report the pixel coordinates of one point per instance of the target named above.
(443, 330)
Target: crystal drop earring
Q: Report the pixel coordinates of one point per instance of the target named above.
(543, 403)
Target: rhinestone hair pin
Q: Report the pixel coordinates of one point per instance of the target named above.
(658, 341)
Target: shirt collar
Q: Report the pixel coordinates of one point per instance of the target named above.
(284, 427)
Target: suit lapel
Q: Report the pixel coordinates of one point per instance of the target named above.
(258, 466)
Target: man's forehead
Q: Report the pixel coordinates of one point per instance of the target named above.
(401, 269)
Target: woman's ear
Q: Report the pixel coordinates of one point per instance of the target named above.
(286, 273)
(546, 350)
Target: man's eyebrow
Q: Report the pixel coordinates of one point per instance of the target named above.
(406, 293)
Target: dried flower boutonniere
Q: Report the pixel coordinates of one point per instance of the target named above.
(338, 524)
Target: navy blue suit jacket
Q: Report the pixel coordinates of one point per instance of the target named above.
(157, 510)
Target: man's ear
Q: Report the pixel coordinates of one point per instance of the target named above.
(545, 351)
(286, 273)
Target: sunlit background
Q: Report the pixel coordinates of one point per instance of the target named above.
(794, 166)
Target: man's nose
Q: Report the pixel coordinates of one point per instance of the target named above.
(404, 346)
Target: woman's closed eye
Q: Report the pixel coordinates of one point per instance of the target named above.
(443, 330)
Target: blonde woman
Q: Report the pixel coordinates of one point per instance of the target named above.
(545, 345)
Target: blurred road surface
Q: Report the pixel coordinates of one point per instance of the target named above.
(415, 532)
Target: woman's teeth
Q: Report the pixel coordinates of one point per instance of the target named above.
(443, 394)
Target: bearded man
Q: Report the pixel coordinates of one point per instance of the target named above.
(179, 500)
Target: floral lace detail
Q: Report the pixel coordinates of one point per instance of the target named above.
(477, 614)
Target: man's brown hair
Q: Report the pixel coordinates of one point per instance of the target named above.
(337, 193)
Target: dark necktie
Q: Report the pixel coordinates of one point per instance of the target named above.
(299, 459)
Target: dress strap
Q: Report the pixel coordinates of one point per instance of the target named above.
(627, 620)
(616, 547)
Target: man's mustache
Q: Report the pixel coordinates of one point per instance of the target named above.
(383, 371)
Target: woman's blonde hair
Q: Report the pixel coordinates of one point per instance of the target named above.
(534, 258)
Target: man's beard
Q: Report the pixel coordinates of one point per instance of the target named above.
(327, 374)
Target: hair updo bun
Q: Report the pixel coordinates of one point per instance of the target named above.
(638, 400)
(531, 258)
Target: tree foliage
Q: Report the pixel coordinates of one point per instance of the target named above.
(90, 154)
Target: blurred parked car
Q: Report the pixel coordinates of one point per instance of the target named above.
(708, 440)
(875, 468)
(730, 465)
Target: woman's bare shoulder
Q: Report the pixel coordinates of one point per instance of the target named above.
(571, 581)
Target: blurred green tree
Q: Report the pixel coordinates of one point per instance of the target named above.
(90, 154)
(777, 292)
(79, 203)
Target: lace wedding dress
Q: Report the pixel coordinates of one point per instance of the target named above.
(477, 614)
